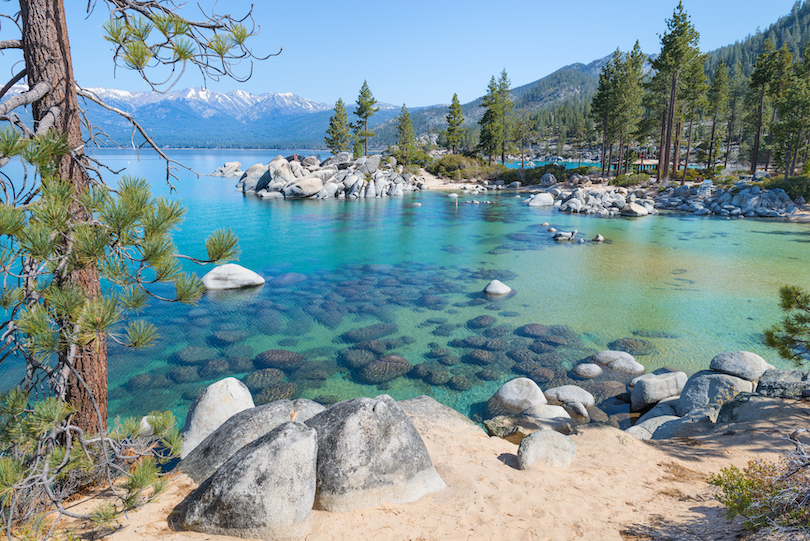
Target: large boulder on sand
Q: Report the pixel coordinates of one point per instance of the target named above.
(231, 276)
(242, 429)
(706, 388)
(266, 490)
(650, 389)
(369, 454)
(516, 396)
(546, 447)
(218, 402)
(742, 364)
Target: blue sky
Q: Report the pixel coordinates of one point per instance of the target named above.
(420, 52)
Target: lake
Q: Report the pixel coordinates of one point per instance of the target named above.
(407, 280)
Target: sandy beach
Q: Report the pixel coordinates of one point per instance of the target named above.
(618, 488)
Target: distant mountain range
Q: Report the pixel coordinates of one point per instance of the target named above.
(197, 117)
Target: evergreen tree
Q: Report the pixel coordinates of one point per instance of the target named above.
(357, 147)
(678, 49)
(338, 138)
(365, 110)
(506, 110)
(718, 104)
(489, 142)
(406, 142)
(760, 79)
(455, 118)
(523, 134)
(694, 99)
(738, 85)
(792, 106)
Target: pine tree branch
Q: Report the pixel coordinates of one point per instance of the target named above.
(14, 80)
(26, 98)
(10, 44)
(136, 126)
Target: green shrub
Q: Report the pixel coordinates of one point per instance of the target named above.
(630, 180)
(767, 494)
(462, 167)
(795, 186)
(44, 459)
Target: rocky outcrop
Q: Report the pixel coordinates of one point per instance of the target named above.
(784, 383)
(217, 403)
(231, 276)
(742, 364)
(651, 389)
(266, 490)
(336, 177)
(369, 453)
(706, 388)
(739, 200)
(230, 169)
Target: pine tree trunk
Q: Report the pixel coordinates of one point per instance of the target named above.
(621, 155)
(659, 171)
(796, 151)
(676, 150)
(610, 160)
(770, 142)
(710, 162)
(47, 58)
(755, 154)
(670, 124)
(728, 138)
(604, 153)
(688, 148)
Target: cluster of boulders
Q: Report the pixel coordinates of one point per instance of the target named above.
(263, 469)
(672, 404)
(612, 201)
(739, 200)
(338, 176)
(696, 402)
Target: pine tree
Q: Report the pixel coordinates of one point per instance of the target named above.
(694, 99)
(406, 142)
(738, 85)
(365, 110)
(489, 142)
(678, 49)
(357, 147)
(455, 118)
(338, 138)
(793, 115)
(506, 108)
(718, 103)
(760, 78)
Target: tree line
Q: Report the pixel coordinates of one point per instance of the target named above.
(766, 113)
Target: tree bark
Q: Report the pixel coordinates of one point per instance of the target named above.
(670, 123)
(710, 162)
(621, 155)
(770, 142)
(688, 148)
(755, 153)
(659, 170)
(46, 50)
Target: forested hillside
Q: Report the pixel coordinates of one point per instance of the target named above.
(792, 30)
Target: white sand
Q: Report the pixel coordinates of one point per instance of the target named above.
(617, 488)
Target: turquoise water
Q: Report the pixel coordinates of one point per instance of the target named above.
(567, 165)
(690, 287)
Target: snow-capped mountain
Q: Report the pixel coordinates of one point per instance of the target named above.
(200, 117)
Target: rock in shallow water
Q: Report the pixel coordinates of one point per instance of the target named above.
(231, 276)
(496, 288)
(384, 369)
(516, 396)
